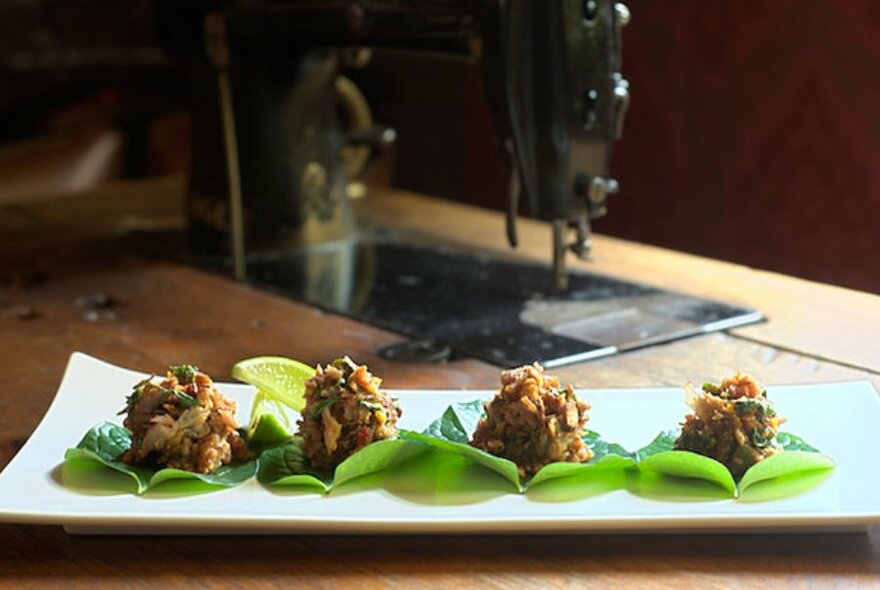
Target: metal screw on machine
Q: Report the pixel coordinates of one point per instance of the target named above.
(621, 102)
(582, 244)
(591, 10)
(595, 191)
(597, 194)
(590, 117)
(623, 14)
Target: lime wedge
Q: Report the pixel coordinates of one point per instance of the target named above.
(267, 431)
(266, 406)
(277, 378)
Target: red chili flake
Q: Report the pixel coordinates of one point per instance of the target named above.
(363, 436)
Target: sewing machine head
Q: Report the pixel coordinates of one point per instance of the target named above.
(551, 74)
(551, 77)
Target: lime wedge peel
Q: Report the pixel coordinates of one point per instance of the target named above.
(266, 406)
(277, 378)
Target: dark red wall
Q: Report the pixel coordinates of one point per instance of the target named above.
(754, 134)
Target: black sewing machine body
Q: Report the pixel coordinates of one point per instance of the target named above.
(551, 77)
(268, 116)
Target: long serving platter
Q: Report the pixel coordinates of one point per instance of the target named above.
(839, 418)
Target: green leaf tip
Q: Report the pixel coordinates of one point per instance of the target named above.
(287, 466)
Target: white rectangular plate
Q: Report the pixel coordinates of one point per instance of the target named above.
(841, 419)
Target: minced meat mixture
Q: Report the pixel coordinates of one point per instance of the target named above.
(345, 411)
(533, 421)
(182, 422)
(733, 423)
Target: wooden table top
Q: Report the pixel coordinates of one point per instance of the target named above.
(166, 313)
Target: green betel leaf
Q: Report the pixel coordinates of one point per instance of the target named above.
(140, 476)
(458, 422)
(105, 442)
(690, 465)
(286, 465)
(375, 457)
(602, 448)
(784, 465)
(452, 433)
(798, 468)
(663, 442)
(594, 466)
(504, 467)
(226, 476)
(660, 457)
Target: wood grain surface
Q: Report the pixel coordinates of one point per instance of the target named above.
(165, 313)
(38, 556)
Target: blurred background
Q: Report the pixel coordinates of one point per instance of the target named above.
(753, 135)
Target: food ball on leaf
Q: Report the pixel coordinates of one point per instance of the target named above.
(182, 422)
(733, 423)
(344, 411)
(533, 421)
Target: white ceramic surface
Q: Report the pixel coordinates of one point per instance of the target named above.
(841, 419)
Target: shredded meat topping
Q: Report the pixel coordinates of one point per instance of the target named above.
(533, 421)
(189, 426)
(345, 411)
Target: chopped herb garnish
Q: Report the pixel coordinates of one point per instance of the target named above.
(186, 400)
(184, 373)
(761, 407)
(136, 393)
(321, 406)
(372, 406)
(711, 388)
(346, 362)
(760, 440)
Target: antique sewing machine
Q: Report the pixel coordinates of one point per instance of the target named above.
(280, 133)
